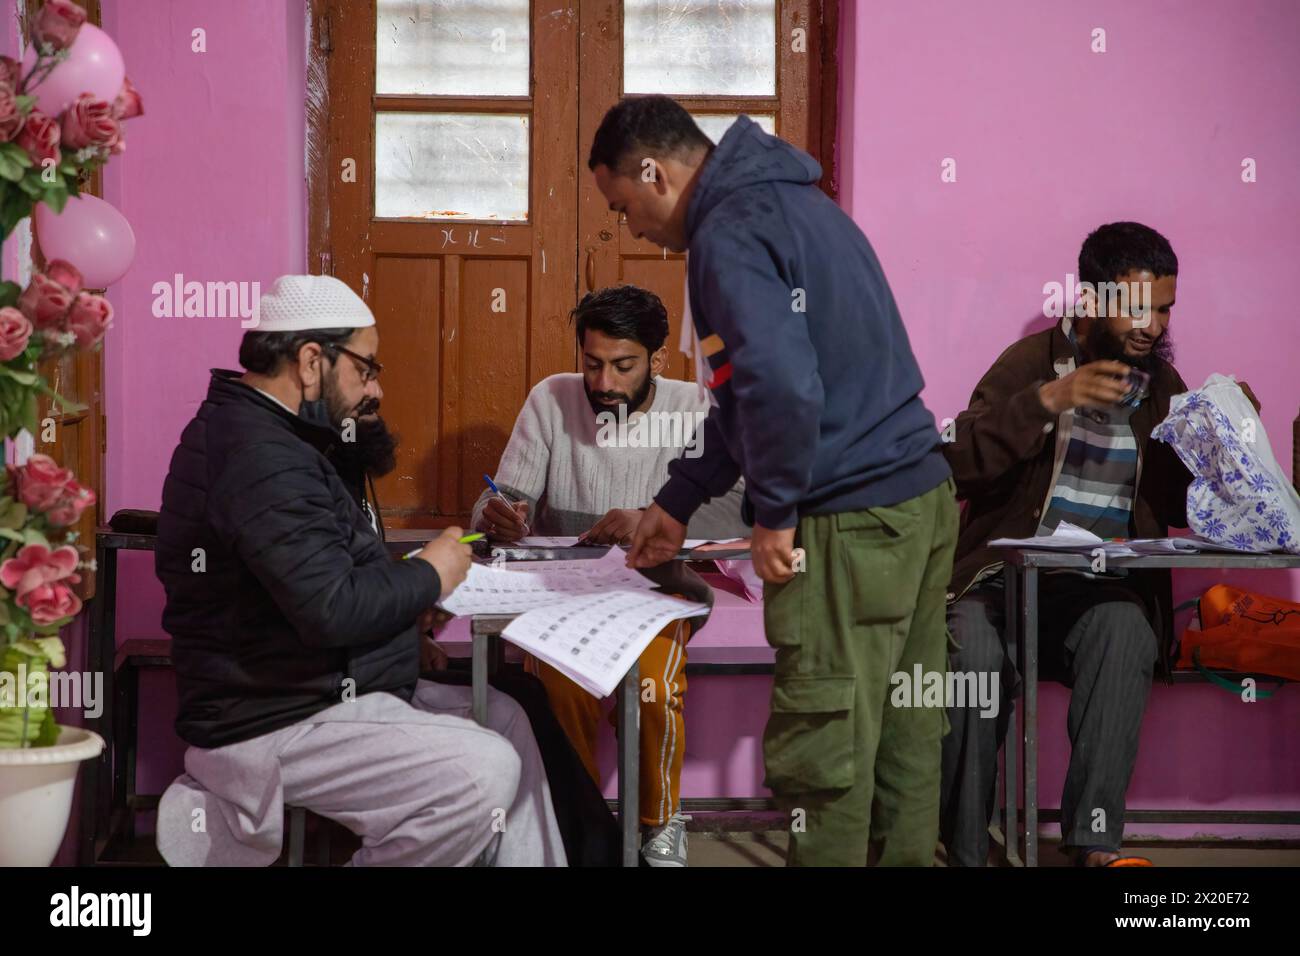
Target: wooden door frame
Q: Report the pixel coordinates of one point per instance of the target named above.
(819, 120)
(823, 114)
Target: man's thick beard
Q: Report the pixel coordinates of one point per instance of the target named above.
(373, 450)
(1103, 345)
(637, 399)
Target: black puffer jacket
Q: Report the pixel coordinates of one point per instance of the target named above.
(296, 593)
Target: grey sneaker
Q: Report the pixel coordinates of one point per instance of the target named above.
(666, 845)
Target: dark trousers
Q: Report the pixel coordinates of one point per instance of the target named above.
(1095, 637)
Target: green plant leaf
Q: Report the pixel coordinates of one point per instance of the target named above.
(28, 379)
(15, 206)
(9, 293)
(16, 153)
(56, 196)
(14, 514)
(28, 417)
(48, 735)
(67, 404)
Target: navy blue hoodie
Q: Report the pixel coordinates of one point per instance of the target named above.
(817, 389)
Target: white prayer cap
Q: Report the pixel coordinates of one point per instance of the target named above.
(299, 303)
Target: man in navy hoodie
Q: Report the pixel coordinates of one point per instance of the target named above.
(817, 405)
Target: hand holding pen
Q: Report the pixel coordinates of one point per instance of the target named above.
(450, 554)
(503, 519)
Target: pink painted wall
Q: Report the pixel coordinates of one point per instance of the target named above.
(213, 182)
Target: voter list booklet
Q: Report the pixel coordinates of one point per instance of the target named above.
(589, 619)
(593, 639)
(515, 587)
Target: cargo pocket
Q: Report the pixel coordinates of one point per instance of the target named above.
(809, 740)
(881, 525)
(880, 552)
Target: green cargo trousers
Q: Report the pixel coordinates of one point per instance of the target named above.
(857, 772)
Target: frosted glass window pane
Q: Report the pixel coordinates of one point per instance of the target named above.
(700, 47)
(452, 47)
(451, 165)
(715, 125)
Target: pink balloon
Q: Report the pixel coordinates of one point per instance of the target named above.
(94, 65)
(90, 234)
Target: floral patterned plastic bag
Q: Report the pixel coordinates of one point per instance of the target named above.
(1238, 495)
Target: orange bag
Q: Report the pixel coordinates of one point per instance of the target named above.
(1245, 632)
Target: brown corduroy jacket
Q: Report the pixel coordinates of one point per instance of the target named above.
(1008, 451)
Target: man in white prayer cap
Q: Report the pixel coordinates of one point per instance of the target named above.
(295, 632)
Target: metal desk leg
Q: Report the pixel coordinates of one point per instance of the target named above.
(629, 765)
(1029, 649)
(487, 652)
(1011, 787)
(297, 834)
(479, 673)
(1010, 749)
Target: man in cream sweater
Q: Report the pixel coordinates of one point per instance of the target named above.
(587, 453)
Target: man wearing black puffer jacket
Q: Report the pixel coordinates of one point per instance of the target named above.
(294, 631)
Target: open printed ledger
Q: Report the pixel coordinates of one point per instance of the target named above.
(589, 619)
(1069, 537)
(559, 541)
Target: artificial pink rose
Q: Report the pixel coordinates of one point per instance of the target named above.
(65, 274)
(45, 301)
(11, 72)
(35, 565)
(57, 24)
(39, 137)
(67, 510)
(15, 331)
(11, 120)
(40, 483)
(89, 319)
(51, 602)
(128, 104)
(90, 122)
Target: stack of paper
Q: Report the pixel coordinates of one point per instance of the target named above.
(594, 639)
(519, 586)
(590, 620)
(563, 541)
(1068, 537)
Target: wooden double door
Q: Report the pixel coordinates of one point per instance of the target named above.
(447, 149)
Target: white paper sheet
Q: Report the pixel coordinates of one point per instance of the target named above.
(594, 638)
(520, 586)
(1188, 545)
(1068, 537)
(562, 541)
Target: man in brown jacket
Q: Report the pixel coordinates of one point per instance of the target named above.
(1058, 429)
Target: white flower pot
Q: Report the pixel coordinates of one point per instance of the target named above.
(36, 785)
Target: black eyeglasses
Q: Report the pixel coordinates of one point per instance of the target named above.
(371, 369)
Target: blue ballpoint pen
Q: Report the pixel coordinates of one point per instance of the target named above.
(497, 491)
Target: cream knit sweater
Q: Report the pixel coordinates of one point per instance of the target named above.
(572, 469)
